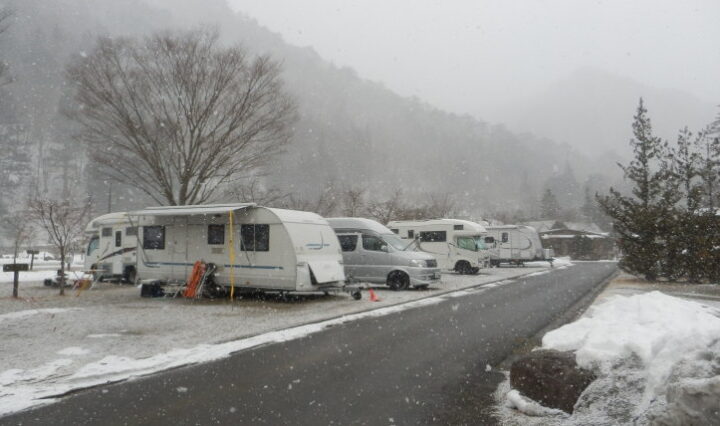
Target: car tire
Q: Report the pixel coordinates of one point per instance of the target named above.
(398, 281)
(463, 267)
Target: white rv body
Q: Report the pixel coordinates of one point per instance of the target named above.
(517, 244)
(274, 249)
(458, 245)
(112, 247)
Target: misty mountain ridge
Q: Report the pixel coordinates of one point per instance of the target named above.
(592, 110)
(351, 132)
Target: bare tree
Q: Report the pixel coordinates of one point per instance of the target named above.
(64, 221)
(18, 229)
(388, 210)
(325, 204)
(353, 202)
(253, 191)
(178, 116)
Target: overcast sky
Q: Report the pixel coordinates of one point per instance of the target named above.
(468, 55)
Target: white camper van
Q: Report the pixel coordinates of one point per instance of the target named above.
(112, 247)
(516, 244)
(372, 253)
(252, 247)
(458, 245)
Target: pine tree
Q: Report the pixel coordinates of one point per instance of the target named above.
(549, 206)
(641, 221)
(708, 147)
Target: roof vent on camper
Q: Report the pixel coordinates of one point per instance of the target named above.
(458, 227)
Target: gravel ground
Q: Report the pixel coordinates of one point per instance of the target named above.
(109, 319)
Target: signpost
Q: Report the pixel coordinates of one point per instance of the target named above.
(16, 268)
(32, 254)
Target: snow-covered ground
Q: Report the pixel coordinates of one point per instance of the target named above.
(52, 345)
(639, 343)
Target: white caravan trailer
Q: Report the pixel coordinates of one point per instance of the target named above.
(252, 247)
(516, 244)
(112, 247)
(458, 245)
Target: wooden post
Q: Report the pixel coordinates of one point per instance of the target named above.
(15, 268)
(16, 281)
(32, 260)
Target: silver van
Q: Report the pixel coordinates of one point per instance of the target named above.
(373, 253)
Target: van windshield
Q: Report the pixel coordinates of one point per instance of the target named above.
(480, 242)
(395, 241)
(93, 245)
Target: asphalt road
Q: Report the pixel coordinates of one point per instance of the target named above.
(420, 366)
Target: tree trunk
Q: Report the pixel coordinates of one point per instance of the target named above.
(61, 278)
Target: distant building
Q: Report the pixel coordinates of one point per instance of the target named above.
(580, 244)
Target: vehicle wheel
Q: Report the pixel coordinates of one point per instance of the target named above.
(463, 267)
(129, 275)
(475, 271)
(356, 295)
(398, 281)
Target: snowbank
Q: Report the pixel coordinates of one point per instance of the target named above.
(658, 329)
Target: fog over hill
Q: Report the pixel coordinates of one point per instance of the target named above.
(351, 132)
(592, 111)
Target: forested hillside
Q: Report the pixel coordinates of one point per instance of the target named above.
(351, 133)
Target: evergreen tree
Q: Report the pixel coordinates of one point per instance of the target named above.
(641, 221)
(708, 147)
(549, 206)
(682, 256)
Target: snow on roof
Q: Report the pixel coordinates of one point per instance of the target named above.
(546, 236)
(298, 216)
(189, 210)
(470, 226)
(358, 223)
(106, 220)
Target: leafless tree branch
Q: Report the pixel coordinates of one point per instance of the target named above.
(178, 116)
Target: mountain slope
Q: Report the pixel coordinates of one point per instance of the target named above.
(351, 132)
(592, 111)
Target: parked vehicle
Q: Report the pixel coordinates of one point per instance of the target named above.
(516, 244)
(373, 253)
(249, 247)
(458, 245)
(112, 247)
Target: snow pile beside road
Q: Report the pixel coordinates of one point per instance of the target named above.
(658, 329)
(647, 350)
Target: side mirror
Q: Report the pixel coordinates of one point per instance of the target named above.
(384, 248)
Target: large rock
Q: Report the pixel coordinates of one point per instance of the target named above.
(551, 378)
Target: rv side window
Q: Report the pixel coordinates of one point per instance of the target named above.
(395, 231)
(255, 237)
(458, 227)
(118, 238)
(93, 245)
(154, 237)
(505, 237)
(433, 236)
(216, 234)
(411, 233)
(348, 242)
(107, 232)
(467, 243)
(131, 231)
(372, 243)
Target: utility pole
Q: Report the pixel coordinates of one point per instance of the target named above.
(110, 198)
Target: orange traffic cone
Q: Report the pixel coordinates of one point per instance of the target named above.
(373, 296)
